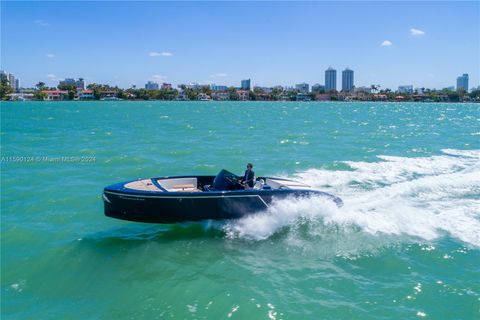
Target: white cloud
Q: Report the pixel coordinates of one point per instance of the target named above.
(51, 76)
(416, 32)
(41, 23)
(157, 78)
(160, 54)
(218, 75)
(386, 43)
(50, 55)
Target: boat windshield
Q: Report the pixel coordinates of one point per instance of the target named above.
(225, 180)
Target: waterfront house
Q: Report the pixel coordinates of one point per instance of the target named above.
(108, 94)
(54, 95)
(203, 97)
(85, 95)
(220, 95)
(182, 96)
(263, 97)
(380, 97)
(323, 97)
(243, 95)
(301, 96)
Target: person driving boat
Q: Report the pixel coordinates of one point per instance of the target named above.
(248, 179)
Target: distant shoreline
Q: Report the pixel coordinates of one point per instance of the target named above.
(238, 101)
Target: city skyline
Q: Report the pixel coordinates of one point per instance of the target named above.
(346, 80)
(421, 48)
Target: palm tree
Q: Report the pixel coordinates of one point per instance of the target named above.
(40, 86)
(375, 87)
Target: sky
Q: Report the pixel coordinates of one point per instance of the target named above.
(425, 44)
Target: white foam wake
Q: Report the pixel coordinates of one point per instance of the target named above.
(423, 197)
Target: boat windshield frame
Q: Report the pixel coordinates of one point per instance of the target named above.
(226, 181)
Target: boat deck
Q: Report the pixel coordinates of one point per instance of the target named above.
(191, 184)
(147, 185)
(143, 185)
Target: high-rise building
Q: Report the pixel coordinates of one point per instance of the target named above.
(302, 87)
(347, 80)
(462, 82)
(216, 87)
(245, 84)
(330, 79)
(150, 85)
(12, 80)
(318, 88)
(405, 89)
(79, 84)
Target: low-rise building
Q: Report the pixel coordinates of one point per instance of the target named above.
(85, 95)
(193, 85)
(323, 97)
(362, 89)
(220, 95)
(109, 95)
(263, 97)
(79, 84)
(150, 85)
(262, 89)
(55, 95)
(203, 97)
(318, 88)
(166, 86)
(301, 96)
(380, 96)
(302, 87)
(419, 91)
(243, 95)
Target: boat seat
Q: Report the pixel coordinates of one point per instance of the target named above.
(259, 184)
(185, 190)
(184, 186)
(187, 187)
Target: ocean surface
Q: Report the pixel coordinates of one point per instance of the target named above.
(405, 245)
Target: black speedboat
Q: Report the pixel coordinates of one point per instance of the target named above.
(193, 198)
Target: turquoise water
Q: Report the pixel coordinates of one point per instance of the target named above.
(405, 245)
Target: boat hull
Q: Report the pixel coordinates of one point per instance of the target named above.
(172, 208)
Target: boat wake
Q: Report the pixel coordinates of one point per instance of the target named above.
(418, 198)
